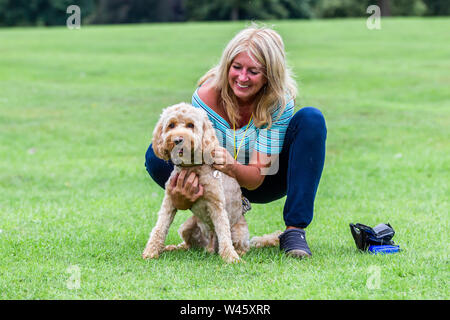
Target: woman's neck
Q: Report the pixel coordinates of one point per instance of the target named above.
(245, 113)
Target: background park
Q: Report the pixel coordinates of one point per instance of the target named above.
(78, 106)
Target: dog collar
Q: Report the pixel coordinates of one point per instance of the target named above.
(185, 165)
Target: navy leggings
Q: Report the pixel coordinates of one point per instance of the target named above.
(300, 168)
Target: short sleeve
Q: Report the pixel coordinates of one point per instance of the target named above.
(270, 141)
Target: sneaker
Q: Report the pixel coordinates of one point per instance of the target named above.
(293, 242)
(246, 206)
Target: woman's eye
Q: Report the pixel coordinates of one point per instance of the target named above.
(254, 72)
(236, 67)
(190, 125)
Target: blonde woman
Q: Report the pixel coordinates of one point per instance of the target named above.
(272, 152)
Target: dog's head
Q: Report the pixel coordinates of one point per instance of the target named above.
(185, 135)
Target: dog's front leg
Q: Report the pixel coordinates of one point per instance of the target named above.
(240, 236)
(222, 228)
(155, 244)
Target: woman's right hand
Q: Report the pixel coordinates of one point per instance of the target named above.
(184, 189)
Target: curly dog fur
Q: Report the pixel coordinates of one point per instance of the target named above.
(185, 135)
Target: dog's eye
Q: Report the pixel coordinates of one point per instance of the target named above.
(190, 125)
(171, 125)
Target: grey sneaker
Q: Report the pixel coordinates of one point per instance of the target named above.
(293, 242)
(246, 206)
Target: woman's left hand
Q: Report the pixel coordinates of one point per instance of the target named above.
(223, 161)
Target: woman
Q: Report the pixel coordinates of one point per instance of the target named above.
(272, 152)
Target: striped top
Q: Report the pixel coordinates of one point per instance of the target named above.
(267, 141)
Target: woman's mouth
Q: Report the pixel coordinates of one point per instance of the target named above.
(242, 86)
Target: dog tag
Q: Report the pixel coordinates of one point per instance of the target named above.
(216, 174)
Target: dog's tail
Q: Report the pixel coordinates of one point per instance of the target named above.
(267, 240)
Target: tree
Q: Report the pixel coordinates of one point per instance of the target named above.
(384, 7)
(248, 9)
(40, 12)
(437, 7)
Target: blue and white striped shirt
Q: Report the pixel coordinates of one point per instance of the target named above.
(267, 141)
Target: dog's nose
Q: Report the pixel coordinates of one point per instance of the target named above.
(178, 140)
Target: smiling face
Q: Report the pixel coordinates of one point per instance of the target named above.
(246, 77)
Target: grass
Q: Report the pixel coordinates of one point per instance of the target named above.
(77, 108)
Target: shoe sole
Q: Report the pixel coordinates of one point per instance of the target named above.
(298, 254)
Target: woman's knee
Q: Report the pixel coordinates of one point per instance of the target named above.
(157, 168)
(149, 156)
(310, 121)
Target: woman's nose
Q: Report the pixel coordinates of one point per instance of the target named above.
(243, 76)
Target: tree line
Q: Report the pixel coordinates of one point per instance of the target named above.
(53, 12)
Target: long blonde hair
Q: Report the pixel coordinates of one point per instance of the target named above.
(267, 47)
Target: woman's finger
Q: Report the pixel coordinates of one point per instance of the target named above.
(199, 192)
(173, 182)
(188, 186)
(180, 179)
(194, 187)
(190, 179)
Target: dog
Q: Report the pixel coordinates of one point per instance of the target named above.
(185, 135)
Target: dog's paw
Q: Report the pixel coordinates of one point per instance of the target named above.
(231, 257)
(241, 252)
(241, 247)
(234, 260)
(150, 254)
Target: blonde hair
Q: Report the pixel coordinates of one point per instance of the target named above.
(267, 47)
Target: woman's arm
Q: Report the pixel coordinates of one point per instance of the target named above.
(249, 176)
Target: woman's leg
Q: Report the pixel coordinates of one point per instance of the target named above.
(306, 159)
(158, 169)
(300, 168)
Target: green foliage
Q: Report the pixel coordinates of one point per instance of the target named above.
(357, 8)
(299, 9)
(437, 7)
(40, 12)
(408, 8)
(118, 11)
(341, 8)
(210, 10)
(137, 11)
(247, 10)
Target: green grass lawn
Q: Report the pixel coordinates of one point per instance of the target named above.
(77, 109)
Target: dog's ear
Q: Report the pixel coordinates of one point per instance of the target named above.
(209, 140)
(157, 141)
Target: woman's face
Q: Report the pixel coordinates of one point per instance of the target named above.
(246, 77)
